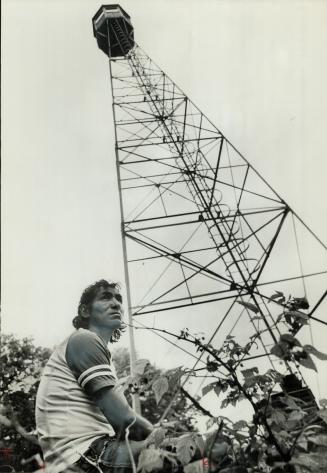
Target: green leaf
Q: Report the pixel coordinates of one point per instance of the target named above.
(260, 379)
(218, 388)
(249, 373)
(175, 376)
(156, 437)
(5, 421)
(212, 366)
(185, 448)
(323, 415)
(160, 386)
(14, 387)
(224, 403)
(296, 416)
(283, 436)
(194, 467)
(300, 303)
(223, 419)
(307, 461)
(123, 381)
(280, 349)
(199, 442)
(279, 318)
(248, 305)
(149, 460)
(278, 417)
(302, 443)
(210, 422)
(308, 363)
(320, 440)
(277, 295)
(315, 352)
(323, 403)
(171, 457)
(297, 314)
(127, 380)
(140, 365)
(208, 388)
(274, 375)
(290, 402)
(288, 338)
(240, 424)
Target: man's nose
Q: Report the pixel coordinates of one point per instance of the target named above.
(116, 304)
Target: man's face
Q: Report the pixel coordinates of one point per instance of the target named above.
(106, 309)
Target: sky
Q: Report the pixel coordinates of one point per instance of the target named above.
(257, 69)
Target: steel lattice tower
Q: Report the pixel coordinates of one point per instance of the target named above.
(200, 225)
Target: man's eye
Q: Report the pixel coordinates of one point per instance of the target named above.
(107, 296)
(119, 298)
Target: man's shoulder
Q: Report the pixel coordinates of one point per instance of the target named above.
(84, 344)
(89, 359)
(82, 335)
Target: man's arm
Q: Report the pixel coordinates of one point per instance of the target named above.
(120, 415)
(90, 362)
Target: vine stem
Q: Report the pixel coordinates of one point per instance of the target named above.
(214, 355)
(196, 403)
(233, 374)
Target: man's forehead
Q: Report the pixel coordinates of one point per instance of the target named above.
(103, 290)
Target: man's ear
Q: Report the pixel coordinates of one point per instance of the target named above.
(84, 312)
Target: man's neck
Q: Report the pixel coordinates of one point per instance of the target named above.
(105, 334)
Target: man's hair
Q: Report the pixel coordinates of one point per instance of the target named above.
(86, 300)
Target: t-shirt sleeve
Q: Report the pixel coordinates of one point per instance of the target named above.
(90, 362)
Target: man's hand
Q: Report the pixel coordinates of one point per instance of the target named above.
(141, 428)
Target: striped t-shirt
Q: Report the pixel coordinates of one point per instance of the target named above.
(67, 419)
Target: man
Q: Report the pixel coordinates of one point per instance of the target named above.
(81, 415)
